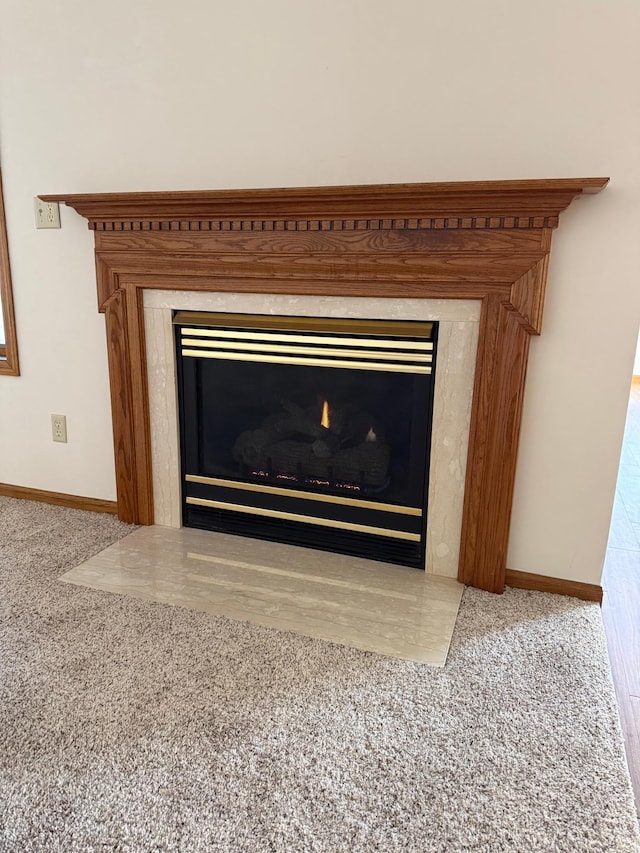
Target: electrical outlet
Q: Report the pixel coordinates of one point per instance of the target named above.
(47, 213)
(59, 428)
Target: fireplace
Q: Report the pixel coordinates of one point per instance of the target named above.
(488, 241)
(307, 430)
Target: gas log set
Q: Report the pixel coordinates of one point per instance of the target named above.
(317, 446)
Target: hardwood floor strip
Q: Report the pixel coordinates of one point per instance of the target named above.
(58, 499)
(621, 581)
(632, 745)
(543, 583)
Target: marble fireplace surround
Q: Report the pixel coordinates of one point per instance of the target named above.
(457, 345)
(487, 241)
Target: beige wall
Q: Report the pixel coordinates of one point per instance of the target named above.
(151, 95)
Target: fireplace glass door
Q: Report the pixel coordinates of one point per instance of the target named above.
(309, 431)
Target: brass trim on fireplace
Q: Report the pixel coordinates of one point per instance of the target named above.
(318, 362)
(307, 519)
(296, 493)
(295, 350)
(305, 339)
(321, 341)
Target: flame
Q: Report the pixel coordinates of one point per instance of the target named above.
(324, 420)
(371, 436)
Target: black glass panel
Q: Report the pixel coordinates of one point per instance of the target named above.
(335, 430)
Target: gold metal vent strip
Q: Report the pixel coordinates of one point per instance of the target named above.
(322, 325)
(308, 519)
(378, 343)
(319, 362)
(260, 347)
(295, 493)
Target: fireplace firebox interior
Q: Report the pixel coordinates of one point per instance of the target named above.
(310, 431)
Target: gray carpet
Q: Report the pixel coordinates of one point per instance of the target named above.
(132, 726)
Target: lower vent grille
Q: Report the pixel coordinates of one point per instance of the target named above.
(294, 533)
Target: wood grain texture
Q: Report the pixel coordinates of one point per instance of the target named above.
(316, 242)
(621, 613)
(58, 499)
(9, 364)
(630, 720)
(289, 225)
(471, 204)
(527, 296)
(453, 267)
(544, 583)
(621, 616)
(339, 286)
(140, 396)
(130, 427)
(481, 240)
(503, 349)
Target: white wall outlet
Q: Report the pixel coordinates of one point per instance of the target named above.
(59, 428)
(47, 213)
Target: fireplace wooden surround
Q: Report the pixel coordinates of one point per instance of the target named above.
(487, 240)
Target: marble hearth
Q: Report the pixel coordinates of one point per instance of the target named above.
(391, 610)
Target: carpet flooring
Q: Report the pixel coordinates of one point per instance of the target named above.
(128, 725)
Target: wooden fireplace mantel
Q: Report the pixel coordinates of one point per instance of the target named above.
(485, 240)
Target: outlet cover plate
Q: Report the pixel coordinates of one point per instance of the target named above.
(59, 428)
(47, 213)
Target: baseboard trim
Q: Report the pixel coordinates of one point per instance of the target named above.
(543, 583)
(58, 499)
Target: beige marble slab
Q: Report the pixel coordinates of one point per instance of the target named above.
(393, 610)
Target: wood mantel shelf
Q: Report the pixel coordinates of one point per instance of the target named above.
(484, 240)
(420, 203)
